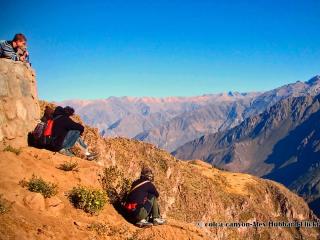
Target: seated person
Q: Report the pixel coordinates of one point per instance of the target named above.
(142, 204)
(15, 49)
(66, 133)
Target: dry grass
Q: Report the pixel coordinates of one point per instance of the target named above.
(37, 184)
(68, 166)
(9, 148)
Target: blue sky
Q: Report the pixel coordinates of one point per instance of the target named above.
(96, 49)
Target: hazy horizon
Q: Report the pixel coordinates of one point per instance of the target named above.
(171, 96)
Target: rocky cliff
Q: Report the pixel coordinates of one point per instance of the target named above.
(19, 108)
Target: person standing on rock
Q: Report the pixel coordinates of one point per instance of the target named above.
(141, 204)
(15, 49)
(66, 133)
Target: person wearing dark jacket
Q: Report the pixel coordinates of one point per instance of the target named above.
(142, 204)
(66, 133)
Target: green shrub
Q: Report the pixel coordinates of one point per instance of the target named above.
(89, 200)
(115, 184)
(37, 184)
(9, 148)
(5, 205)
(68, 166)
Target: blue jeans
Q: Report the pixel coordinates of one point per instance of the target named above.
(73, 137)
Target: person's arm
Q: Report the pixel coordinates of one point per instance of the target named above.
(8, 52)
(152, 189)
(71, 125)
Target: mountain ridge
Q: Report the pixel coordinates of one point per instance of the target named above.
(173, 123)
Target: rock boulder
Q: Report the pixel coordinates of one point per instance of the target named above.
(19, 108)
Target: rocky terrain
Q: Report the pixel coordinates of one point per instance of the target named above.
(190, 192)
(281, 144)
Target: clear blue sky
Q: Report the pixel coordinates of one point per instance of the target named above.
(96, 49)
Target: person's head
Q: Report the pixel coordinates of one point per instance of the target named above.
(48, 112)
(147, 173)
(69, 110)
(19, 41)
(59, 111)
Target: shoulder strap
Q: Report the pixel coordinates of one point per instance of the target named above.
(57, 117)
(138, 185)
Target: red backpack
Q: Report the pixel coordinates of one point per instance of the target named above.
(48, 128)
(42, 134)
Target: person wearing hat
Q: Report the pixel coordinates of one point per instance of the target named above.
(142, 204)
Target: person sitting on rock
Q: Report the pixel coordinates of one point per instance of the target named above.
(141, 203)
(15, 49)
(66, 133)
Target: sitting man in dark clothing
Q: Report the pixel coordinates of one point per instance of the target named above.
(142, 204)
(66, 133)
(15, 49)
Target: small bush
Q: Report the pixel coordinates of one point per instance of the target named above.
(5, 205)
(89, 200)
(37, 184)
(68, 166)
(115, 184)
(9, 148)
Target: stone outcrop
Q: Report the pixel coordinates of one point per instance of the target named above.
(19, 108)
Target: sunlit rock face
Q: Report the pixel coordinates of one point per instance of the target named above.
(19, 108)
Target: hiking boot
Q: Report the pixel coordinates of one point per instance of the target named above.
(92, 156)
(66, 152)
(144, 223)
(158, 221)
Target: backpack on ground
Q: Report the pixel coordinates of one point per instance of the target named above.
(35, 137)
(41, 136)
(39, 130)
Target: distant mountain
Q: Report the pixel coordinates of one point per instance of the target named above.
(189, 125)
(282, 144)
(173, 121)
(215, 117)
(130, 116)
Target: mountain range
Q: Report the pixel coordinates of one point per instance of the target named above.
(138, 118)
(173, 121)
